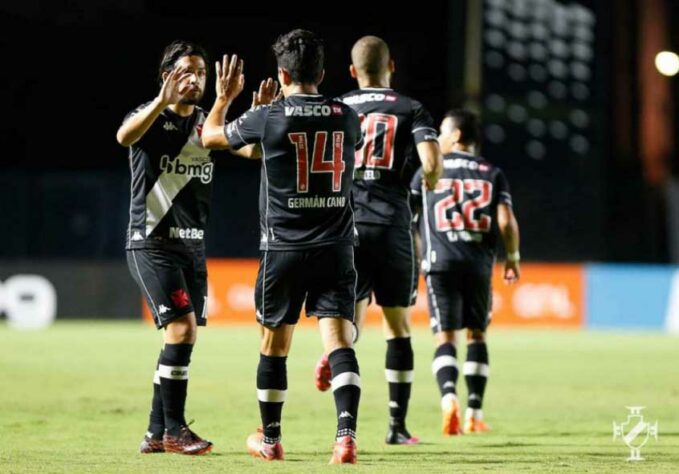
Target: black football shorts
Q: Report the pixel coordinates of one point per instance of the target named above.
(386, 265)
(173, 282)
(459, 298)
(324, 277)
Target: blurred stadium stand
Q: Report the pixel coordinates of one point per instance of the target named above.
(559, 84)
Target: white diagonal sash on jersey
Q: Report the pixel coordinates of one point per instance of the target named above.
(159, 199)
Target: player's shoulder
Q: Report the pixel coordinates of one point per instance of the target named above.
(262, 108)
(372, 95)
(258, 113)
(338, 104)
(137, 109)
(467, 161)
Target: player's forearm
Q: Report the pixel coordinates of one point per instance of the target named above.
(251, 152)
(432, 175)
(432, 163)
(214, 136)
(510, 236)
(136, 126)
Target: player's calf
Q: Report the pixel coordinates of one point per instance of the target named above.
(476, 371)
(346, 388)
(444, 367)
(399, 375)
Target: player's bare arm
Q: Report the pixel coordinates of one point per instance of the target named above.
(228, 85)
(266, 94)
(251, 152)
(432, 162)
(171, 92)
(509, 229)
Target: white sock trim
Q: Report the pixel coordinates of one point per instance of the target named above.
(156, 378)
(446, 400)
(173, 372)
(399, 376)
(475, 413)
(271, 395)
(345, 378)
(443, 361)
(476, 368)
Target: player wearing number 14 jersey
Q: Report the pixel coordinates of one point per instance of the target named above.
(459, 226)
(307, 144)
(396, 129)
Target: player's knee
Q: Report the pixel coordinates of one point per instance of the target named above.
(445, 337)
(397, 322)
(182, 330)
(276, 341)
(336, 333)
(476, 335)
(181, 335)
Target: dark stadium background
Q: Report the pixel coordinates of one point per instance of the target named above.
(74, 69)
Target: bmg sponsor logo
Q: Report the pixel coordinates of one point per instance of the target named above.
(196, 167)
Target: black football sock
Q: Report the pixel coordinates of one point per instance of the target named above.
(174, 378)
(272, 386)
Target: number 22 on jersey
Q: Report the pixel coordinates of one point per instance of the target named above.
(335, 166)
(467, 198)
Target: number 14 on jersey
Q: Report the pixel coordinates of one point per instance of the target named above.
(335, 165)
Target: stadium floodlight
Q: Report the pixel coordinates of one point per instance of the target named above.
(667, 63)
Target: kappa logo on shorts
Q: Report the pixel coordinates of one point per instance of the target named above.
(179, 298)
(162, 309)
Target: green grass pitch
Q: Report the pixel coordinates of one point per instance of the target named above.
(75, 398)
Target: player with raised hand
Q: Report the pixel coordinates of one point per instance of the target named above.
(169, 208)
(307, 144)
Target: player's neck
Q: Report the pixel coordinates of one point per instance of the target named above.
(457, 147)
(183, 110)
(309, 89)
(366, 82)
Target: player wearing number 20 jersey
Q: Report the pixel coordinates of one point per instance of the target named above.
(461, 219)
(398, 132)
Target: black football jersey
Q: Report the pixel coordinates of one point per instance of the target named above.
(392, 124)
(458, 221)
(171, 183)
(308, 144)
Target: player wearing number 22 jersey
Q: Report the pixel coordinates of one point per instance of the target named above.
(461, 220)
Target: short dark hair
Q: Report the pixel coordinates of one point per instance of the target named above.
(177, 50)
(370, 55)
(467, 123)
(301, 53)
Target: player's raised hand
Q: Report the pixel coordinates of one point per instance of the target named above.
(171, 92)
(512, 272)
(267, 93)
(230, 78)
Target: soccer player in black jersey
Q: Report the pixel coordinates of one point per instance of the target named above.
(396, 130)
(307, 143)
(460, 220)
(171, 186)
